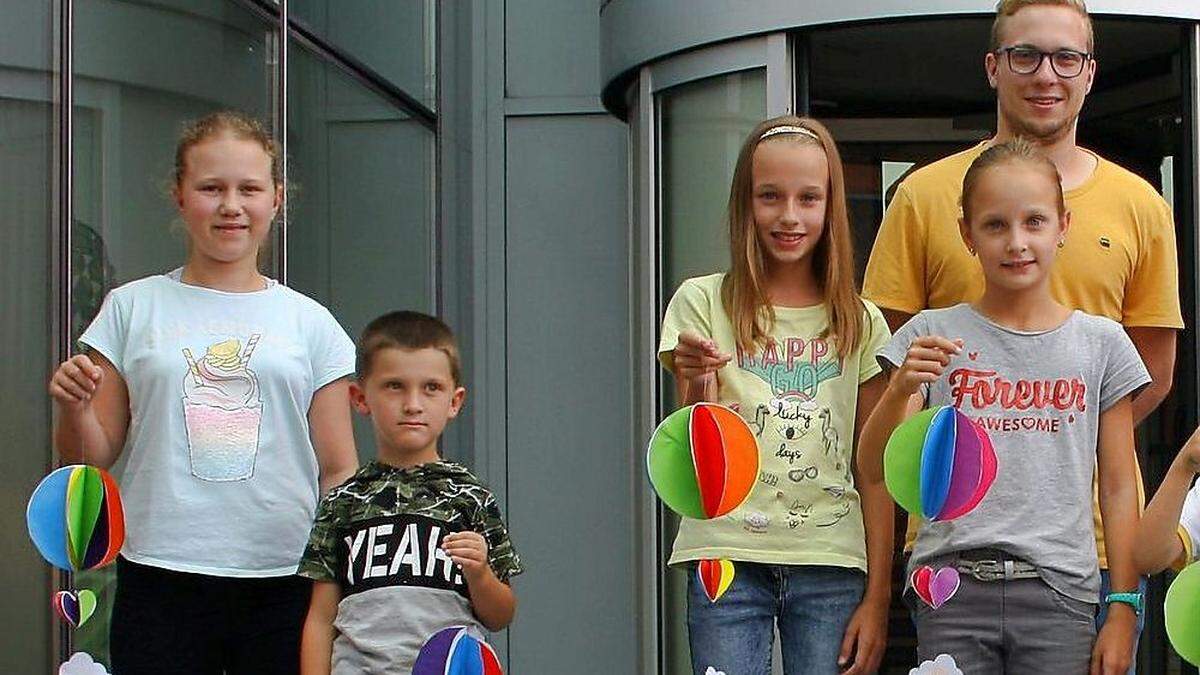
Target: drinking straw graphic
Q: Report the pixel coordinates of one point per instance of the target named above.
(250, 345)
(192, 367)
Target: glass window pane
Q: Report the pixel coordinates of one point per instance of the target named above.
(395, 39)
(703, 125)
(141, 71)
(27, 122)
(360, 216)
(898, 118)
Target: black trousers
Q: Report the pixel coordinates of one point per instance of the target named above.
(194, 624)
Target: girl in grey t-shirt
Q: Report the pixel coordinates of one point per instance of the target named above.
(1052, 388)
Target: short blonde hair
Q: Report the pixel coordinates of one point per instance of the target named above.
(1006, 8)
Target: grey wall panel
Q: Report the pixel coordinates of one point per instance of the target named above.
(571, 466)
(471, 215)
(552, 48)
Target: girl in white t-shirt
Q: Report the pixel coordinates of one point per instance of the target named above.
(227, 393)
(1169, 532)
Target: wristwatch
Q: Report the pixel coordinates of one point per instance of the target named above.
(1134, 600)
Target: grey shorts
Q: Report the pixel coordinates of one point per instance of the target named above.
(1020, 626)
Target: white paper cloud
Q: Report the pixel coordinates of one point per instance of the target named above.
(713, 671)
(943, 665)
(81, 664)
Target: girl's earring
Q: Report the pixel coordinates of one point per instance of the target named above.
(1061, 243)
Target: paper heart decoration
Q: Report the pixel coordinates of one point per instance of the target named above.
(919, 580)
(934, 588)
(75, 608)
(715, 577)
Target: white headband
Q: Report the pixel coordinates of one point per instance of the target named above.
(790, 129)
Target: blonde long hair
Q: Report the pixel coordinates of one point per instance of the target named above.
(743, 294)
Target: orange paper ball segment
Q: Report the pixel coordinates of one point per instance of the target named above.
(703, 460)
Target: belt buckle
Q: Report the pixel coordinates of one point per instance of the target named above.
(981, 570)
(996, 570)
(990, 570)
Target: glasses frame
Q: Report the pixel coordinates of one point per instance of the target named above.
(1007, 52)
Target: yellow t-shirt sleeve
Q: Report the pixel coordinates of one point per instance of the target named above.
(689, 311)
(876, 335)
(895, 275)
(1185, 557)
(1152, 293)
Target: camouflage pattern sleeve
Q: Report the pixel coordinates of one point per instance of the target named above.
(501, 555)
(319, 561)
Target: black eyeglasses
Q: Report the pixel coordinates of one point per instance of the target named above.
(1026, 60)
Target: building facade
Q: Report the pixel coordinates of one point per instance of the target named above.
(542, 173)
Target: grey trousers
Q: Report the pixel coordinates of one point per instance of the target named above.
(1017, 627)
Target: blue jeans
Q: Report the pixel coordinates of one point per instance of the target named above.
(810, 603)
(1105, 589)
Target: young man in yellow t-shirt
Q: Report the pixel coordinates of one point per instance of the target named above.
(1119, 260)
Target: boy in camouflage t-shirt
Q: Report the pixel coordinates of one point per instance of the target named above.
(411, 544)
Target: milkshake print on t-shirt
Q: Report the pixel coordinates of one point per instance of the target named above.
(222, 410)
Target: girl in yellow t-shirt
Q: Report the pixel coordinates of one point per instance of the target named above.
(784, 338)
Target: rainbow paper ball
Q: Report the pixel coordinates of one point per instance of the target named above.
(75, 518)
(455, 651)
(1181, 612)
(703, 460)
(939, 464)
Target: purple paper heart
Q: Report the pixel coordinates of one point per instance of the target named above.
(943, 586)
(67, 605)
